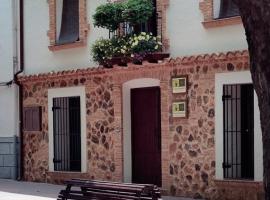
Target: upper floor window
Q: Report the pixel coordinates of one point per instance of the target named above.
(68, 24)
(218, 13)
(225, 9)
(67, 21)
(151, 25)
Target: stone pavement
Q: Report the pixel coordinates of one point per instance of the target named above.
(14, 190)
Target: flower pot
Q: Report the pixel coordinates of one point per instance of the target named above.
(155, 57)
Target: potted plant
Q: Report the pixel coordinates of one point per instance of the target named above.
(109, 15)
(142, 45)
(127, 47)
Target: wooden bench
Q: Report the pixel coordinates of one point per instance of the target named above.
(78, 189)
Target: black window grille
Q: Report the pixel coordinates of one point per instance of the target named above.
(67, 134)
(69, 31)
(151, 25)
(238, 113)
(228, 9)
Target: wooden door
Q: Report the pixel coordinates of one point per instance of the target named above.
(146, 135)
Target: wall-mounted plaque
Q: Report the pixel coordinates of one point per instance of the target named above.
(179, 84)
(179, 109)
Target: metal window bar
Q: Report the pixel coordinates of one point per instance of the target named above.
(67, 134)
(238, 131)
(150, 26)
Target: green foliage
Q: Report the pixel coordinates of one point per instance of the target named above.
(109, 15)
(138, 11)
(144, 43)
(105, 49)
(102, 50)
(136, 46)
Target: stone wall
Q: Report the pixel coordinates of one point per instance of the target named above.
(188, 145)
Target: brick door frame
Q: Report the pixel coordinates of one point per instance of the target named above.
(120, 78)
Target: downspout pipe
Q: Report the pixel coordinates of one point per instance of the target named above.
(20, 98)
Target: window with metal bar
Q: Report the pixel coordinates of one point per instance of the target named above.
(238, 131)
(151, 25)
(228, 9)
(67, 133)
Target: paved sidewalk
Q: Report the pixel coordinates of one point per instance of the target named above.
(14, 190)
(18, 190)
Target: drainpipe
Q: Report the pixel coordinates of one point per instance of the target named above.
(20, 97)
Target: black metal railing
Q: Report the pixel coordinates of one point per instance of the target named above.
(67, 134)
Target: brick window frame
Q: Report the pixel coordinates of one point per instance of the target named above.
(83, 27)
(207, 8)
(162, 6)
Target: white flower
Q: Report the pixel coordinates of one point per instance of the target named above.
(131, 55)
(135, 43)
(156, 47)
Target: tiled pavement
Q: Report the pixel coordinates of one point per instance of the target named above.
(14, 190)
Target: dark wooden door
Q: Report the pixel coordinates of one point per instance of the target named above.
(146, 135)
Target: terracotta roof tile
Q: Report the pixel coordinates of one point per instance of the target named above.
(101, 70)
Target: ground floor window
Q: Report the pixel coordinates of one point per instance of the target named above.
(238, 136)
(238, 127)
(67, 133)
(67, 129)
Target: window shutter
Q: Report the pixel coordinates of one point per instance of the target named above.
(70, 22)
(32, 118)
(228, 9)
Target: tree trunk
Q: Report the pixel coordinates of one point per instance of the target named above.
(256, 20)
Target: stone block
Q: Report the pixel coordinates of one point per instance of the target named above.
(4, 148)
(13, 173)
(9, 160)
(5, 172)
(6, 140)
(1, 160)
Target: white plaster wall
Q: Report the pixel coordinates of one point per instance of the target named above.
(136, 83)
(188, 36)
(8, 95)
(38, 58)
(8, 111)
(186, 33)
(236, 78)
(6, 43)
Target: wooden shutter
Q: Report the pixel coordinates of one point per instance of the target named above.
(32, 118)
(228, 9)
(70, 22)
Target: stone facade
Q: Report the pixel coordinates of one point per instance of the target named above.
(188, 145)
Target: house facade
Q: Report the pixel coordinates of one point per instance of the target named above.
(189, 124)
(8, 90)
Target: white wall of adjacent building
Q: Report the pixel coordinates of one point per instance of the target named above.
(38, 58)
(8, 94)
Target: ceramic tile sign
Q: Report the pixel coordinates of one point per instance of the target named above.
(179, 109)
(179, 84)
